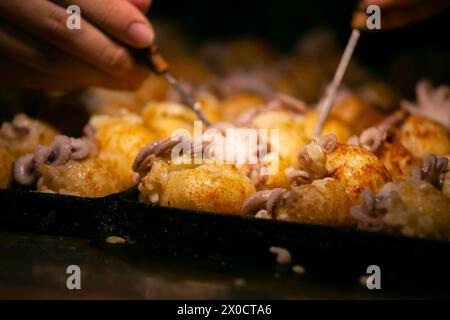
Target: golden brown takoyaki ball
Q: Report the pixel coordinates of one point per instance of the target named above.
(379, 94)
(109, 102)
(398, 160)
(423, 137)
(416, 208)
(292, 138)
(210, 106)
(120, 139)
(332, 125)
(22, 135)
(276, 179)
(356, 169)
(274, 119)
(208, 187)
(190, 68)
(163, 118)
(89, 178)
(322, 202)
(6, 164)
(292, 135)
(356, 114)
(306, 78)
(154, 88)
(233, 106)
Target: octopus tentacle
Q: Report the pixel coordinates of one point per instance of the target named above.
(328, 142)
(80, 148)
(12, 131)
(89, 131)
(274, 196)
(58, 153)
(298, 177)
(354, 141)
(24, 170)
(431, 103)
(148, 150)
(256, 202)
(291, 102)
(280, 101)
(156, 148)
(433, 169)
(371, 139)
(263, 200)
(166, 146)
(370, 213)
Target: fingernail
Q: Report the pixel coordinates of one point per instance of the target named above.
(140, 34)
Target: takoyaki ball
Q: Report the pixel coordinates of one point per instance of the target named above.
(109, 102)
(356, 114)
(306, 78)
(208, 187)
(291, 132)
(291, 139)
(356, 169)
(233, 106)
(273, 119)
(154, 88)
(322, 202)
(6, 165)
(412, 207)
(120, 139)
(379, 94)
(333, 125)
(164, 118)
(398, 160)
(422, 137)
(23, 134)
(210, 105)
(89, 178)
(190, 68)
(273, 176)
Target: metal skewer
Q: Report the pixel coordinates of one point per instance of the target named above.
(160, 66)
(327, 103)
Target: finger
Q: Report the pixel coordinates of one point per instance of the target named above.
(50, 62)
(396, 18)
(40, 56)
(48, 21)
(119, 18)
(24, 77)
(143, 5)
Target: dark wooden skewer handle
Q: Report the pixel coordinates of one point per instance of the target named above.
(359, 17)
(156, 61)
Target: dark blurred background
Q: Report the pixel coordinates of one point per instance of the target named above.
(401, 56)
(421, 50)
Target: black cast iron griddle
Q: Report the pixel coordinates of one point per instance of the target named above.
(219, 236)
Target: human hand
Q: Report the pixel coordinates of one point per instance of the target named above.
(39, 51)
(400, 13)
